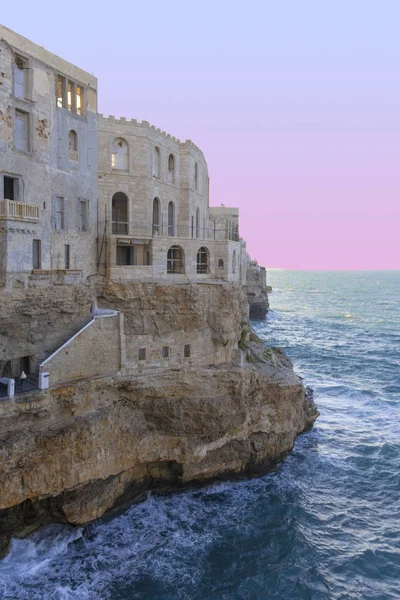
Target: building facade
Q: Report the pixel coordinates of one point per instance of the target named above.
(48, 166)
(155, 223)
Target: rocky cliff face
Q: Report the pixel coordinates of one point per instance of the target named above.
(73, 453)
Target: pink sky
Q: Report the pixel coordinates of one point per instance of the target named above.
(295, 105)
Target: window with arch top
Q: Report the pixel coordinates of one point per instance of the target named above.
(73, 145)
(171, 219)
(156, 217)
(156, 162)
(202, 260)
(220, 264)
(120, 155)
(196, 176)
(119, 212)
(175, 260)
(73, 141)
(171, 168)
(234, 262)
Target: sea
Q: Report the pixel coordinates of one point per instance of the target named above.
(325, 524)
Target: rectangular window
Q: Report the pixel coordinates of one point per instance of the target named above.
(20, 78)
(70, 95)
(142, 353)
(61, 92)
(37, 254)
(66, 256)
(186, 351)
(11, 188)
(165, 352)
(83, 215)
(79, 100)
(59, 221)
(21, 130)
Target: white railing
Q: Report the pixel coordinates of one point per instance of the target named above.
(20, 211)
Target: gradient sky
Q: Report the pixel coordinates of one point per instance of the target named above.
(295, 104)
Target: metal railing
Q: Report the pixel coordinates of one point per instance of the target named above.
(12, 209)
(154, 230)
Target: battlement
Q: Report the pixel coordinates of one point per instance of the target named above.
(111, 119)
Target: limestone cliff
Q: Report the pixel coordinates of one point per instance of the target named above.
(74, 452)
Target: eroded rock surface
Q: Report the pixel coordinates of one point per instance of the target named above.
(75, 452)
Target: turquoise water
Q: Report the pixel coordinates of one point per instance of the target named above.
(325, 525)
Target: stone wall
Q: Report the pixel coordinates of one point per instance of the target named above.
(45, 170)
(92, 352)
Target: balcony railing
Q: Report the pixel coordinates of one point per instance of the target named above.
(149, 230)
(73, 155)
(19, 211)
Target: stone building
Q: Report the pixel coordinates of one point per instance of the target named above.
(82, 195)
(48, 166)
(155, 223)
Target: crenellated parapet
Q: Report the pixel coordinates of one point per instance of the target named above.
(112, 121)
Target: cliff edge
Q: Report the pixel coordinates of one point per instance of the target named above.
(79, 450)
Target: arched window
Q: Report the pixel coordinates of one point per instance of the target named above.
(171, 168)
(171, 219)
(73, 141)
(192, 226)
(197, 222)
(73, 145)
(196, 176)
(234, 262)
(156, 217)
(120, 155)
(156, 162)
(120, 213)
(220, 264)
(175, 260)
(202, 260)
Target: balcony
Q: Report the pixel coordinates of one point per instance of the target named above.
(19, 211)
(147, 231)
(73, 155)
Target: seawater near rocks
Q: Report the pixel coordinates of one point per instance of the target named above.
(146, 435)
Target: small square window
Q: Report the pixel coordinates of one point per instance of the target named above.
(165, 352)
(142, 353)
(186, 351)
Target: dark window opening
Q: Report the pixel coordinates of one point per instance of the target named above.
(165, 352)
(175, 260)
(186, 351)
(142, 353)
(37, 254)
(126, 255)
(156, 217)
(220, 264)
(11, 188)
(67, 256)
(120, 213)
(202, 260)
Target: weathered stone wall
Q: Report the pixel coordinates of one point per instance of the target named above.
(35, 321)
(94, 351)
(45, 170)
(139, 183)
